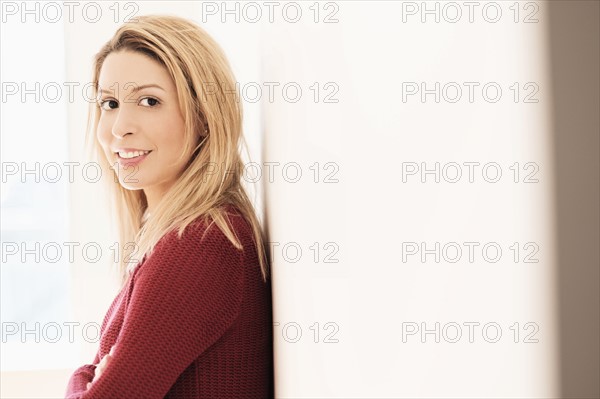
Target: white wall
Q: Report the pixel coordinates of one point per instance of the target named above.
(370, 134)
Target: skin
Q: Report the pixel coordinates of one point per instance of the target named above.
(146, 119)
(101, 366)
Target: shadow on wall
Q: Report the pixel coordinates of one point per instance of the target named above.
(574, 51)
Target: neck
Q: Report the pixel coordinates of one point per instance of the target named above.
(145, 216)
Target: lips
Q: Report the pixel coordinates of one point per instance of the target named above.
(132, 154)
(132, 161)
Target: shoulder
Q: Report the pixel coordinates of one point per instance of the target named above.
(202, 236)
(200, 250)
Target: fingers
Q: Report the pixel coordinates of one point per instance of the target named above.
(101, 366)
(103, 363)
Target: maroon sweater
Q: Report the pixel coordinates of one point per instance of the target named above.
(193, 321)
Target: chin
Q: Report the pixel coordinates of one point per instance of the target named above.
(131, 186)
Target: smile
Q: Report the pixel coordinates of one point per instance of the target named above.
(132, 154)
(132, 158)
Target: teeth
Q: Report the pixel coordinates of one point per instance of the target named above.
(132, 154)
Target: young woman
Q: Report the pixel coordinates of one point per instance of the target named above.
(193, 317)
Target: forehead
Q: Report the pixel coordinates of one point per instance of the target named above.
(129, 69)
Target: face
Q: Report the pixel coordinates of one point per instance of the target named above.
(140, 111)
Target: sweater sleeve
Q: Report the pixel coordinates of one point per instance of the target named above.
(80, 378)
(84, 374)
(185, 296)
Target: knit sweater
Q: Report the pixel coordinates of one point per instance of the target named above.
(194, 320)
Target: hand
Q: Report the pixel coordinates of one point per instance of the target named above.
(101, 367)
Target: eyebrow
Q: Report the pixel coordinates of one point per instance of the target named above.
(136, 89)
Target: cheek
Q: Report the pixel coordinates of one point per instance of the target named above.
(168, 133)
(103, 133)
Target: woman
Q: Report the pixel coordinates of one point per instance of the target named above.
(193, 317)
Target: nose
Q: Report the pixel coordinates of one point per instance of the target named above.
(124, 123)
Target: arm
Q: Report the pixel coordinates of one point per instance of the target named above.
(185, 297)
(86, 373)
(82, 376)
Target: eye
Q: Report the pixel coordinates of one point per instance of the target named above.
(149, 102)
(108, 104)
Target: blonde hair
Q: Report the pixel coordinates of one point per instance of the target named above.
(213, 122)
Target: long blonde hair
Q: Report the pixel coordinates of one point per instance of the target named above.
(213, 131)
